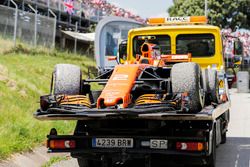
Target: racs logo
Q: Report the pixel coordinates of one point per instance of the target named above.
(177, 19)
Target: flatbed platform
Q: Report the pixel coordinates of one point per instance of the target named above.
(153, 113)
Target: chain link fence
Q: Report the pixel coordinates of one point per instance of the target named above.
(7, 22)
(31, 28)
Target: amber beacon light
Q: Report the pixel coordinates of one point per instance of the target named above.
(178, 20)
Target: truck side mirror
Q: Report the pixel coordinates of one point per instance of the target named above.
(123, 51)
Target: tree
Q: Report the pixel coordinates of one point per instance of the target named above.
(223, 13)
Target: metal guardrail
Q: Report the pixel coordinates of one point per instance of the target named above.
(26, 27)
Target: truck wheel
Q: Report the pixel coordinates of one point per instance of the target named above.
(67, 79)
(83, 162)
(226, 117)
(211, 159)
(213, 86)
(223, 138)
(187, 77)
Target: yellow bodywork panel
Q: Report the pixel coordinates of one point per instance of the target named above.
(173, 31)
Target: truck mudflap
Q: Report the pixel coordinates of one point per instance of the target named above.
(153, 112)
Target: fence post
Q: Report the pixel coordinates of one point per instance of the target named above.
(35, 33)
(15, 24)
(59, 8)
(54, 28)
(75, 46)
(48, 6)
(98, 14)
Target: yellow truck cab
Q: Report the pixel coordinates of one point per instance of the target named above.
(202, 41)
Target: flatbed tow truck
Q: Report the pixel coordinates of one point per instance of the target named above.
(155, 120)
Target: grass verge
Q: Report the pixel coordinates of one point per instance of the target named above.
(25, 74)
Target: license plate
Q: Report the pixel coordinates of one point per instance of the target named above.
(112, 142)
(158, 144)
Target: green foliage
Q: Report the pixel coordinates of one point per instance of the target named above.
(25, 75)
(187, 8)
(223, 13)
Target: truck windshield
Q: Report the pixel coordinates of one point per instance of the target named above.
(163, 41)
(199, 45)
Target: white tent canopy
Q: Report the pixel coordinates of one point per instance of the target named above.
(85, 37)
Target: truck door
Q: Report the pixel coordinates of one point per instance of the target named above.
(110, 32)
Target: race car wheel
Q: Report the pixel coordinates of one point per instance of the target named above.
(67, 79)
(187, 77)
(213, 85)
(205, 84)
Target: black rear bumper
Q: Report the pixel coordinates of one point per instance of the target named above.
(84, 146)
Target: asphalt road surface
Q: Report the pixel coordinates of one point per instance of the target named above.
(236, 152)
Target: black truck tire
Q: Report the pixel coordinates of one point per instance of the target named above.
(223, 138)
(67, 79)
(213, 85)
(226, 117)
(83, 162)
(211, 159)
(187, 77)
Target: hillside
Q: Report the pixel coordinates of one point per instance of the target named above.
(25, 74)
